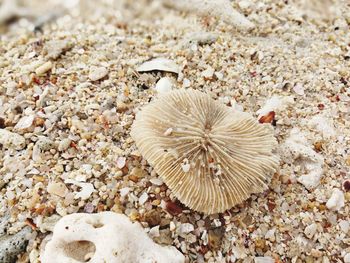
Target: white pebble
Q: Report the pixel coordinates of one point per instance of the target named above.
(97, 73)
(11, 140)
(43, 68)
(336, 201)
(310, 230)
(64, 144)
(156, 181)
(143, 198)
(57, 189)
(299, 89)
(172, 226)
(154, 232)
(186, 228)
(186, 83)
(344, 226)
(164, 85)
(25, 122)
(121, 162)
(347, 258)
(264, 260)
(124, 191)
(208, 73)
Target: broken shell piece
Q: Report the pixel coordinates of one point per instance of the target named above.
(104, 237)
(59, 189)
(11, 140)
(25, 122)
(212, 169)
(160, 64)
(55, 48)
(41, 70)
(97, 73)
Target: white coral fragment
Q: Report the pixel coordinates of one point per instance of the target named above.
(296, 150)
(336, 201)
(86, 189)
(276, 104)
(214, 158)
(104, 237)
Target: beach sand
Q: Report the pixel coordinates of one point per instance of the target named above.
(69, 91)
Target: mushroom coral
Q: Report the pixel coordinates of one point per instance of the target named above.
(211, 156)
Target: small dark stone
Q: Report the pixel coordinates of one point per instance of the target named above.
(152, 217)
(346, 185)
(2, 123)
(215, 237)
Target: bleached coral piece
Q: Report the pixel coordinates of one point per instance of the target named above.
(104, 237)
(276, 104)
(323, 125)
(336, 201)
(220, 8)
(297, 149)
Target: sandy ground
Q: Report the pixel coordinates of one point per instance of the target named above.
(69, 91)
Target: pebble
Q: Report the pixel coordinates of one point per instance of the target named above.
(41, 70)
(64, 144)
(156, 181)
(152, 217)
(310, 230)
(344, 226)
(208, 73)
(336, 201)
(215, 237)
(55, 48)
(347, 258)
(264, 260)
(186, 228)
(97, 73)
(59, 189)
(121, 162)
(299, 89)
(154, 232)
(172, 226)
(12, 245)
(164, 85)
(25, 122)
(143, 198)
(11, 140)
(124, 191)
